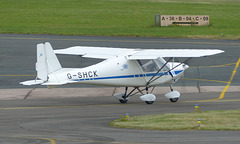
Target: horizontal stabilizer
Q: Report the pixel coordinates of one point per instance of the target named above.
(36, 82)
(58, 83)
(32, 82)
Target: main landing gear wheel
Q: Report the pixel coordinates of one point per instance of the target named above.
(173, 100)
(149, 102)
(123, 101)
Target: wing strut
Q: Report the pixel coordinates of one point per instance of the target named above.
(152, 80)
(139, 91)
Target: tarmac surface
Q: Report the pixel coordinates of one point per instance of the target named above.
(18, 56)
(39, 116)
(86, 120)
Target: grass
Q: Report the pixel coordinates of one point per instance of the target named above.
(118, 17)
(210, 120)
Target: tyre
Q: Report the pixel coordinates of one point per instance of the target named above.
(173, 100)
(123, 101)
(149, 102)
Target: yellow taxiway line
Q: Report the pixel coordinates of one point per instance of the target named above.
(223, 65)
(52, 141)
(230, 80)
(225, 88)
(205, 80)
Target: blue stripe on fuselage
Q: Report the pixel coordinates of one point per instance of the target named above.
(126, 76)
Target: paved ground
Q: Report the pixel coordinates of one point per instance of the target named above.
(53, 118)
(18, 56)
(85, 120)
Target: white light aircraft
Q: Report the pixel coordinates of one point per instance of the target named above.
(121, 68)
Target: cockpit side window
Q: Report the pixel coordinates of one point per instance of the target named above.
(148, 65)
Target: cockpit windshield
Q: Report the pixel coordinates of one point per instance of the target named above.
(162, 62)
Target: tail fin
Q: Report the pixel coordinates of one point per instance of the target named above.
(47, 61)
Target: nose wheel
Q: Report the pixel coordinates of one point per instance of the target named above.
(173, 95)
(173, 100)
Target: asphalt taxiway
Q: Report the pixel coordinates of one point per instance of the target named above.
(62, 120)
(86, 120)
(18, 56)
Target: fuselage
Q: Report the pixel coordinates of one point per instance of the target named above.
(119, 71)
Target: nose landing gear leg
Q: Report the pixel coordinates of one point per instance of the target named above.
(124, 100)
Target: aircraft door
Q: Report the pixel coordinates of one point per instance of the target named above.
(148, 67)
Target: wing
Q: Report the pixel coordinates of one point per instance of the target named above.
(156, 53)
(132, 54)
(93, 52)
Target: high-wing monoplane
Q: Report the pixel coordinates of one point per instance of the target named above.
(121, 67)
